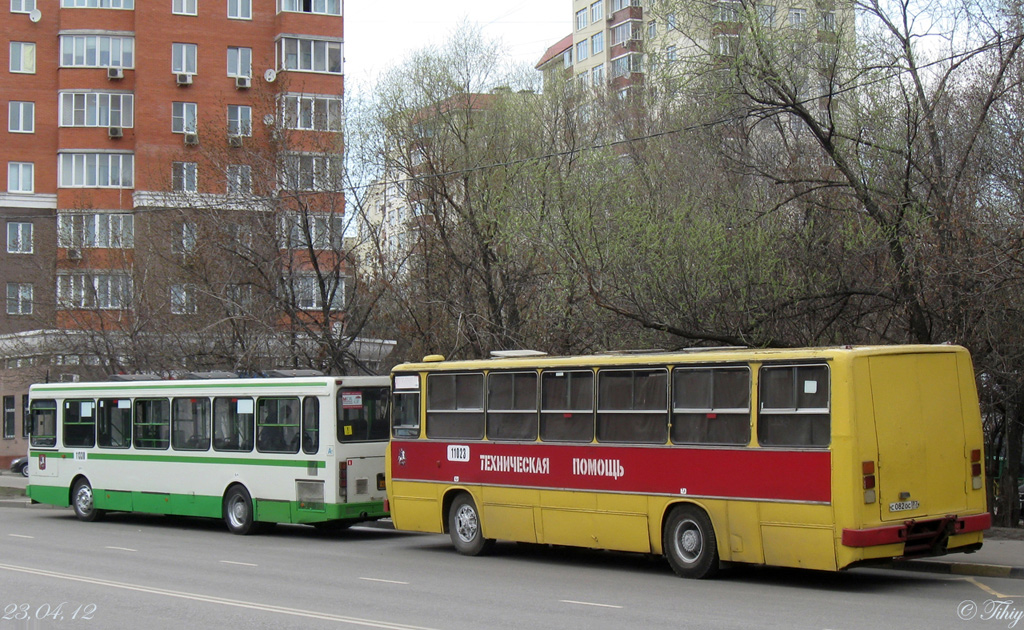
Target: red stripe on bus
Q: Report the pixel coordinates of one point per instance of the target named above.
(765, 474)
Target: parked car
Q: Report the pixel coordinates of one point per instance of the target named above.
(20, 466)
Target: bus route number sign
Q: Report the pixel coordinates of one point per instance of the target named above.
(457, 453)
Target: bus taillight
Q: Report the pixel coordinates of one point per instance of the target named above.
(868, 472)
(343, 480)
(976, 469)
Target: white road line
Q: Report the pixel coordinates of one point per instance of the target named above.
(570, 601)
(295, 612)
(384, 581)
(122, 549)
(241, 564)
(20, 536)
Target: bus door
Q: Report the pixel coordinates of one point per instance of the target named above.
(44, 435)
(363, 430)
(919, 428)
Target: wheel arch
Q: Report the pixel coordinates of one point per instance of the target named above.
(448, 499)
(80, 476)
(657, 546)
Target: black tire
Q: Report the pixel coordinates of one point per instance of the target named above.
(466, 529)
(82, 502)
(24, 470)
(238, 511)
(689, 543)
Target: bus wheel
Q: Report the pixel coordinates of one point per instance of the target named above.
(464, 527)
(689, 543)
(82, 501)
(238, 511)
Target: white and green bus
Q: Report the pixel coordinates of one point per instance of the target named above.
(252, 451)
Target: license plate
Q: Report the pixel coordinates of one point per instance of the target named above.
(903, 506)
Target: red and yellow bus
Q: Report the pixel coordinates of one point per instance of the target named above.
(821, 458)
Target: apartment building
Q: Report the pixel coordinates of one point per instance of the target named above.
(129, 124)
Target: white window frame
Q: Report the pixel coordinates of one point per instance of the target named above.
(23, 6)
(240, 9)
(97, 51)
(19, 298)
(239, 120)
(183, 299)
(597, 11)
(239, 179)
(239, 61)
(104, 291)
(96, 170)
(21, 117)
(184, 58)
(306, 54)
(97, 109)
(306, 290)
(766, 14)
(185, 177)
(308, 171)
(326, 230)
(26, 57)
(184, 117)
(19, 237)
(312, 112)
(98, 230)
(184, 7)
(581, 19)
(318, 7)
(98, 4)
(797, 17)
(597, 44)
(21, 177)
(582, 50)
(597, 75)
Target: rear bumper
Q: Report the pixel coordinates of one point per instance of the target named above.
(907, 531)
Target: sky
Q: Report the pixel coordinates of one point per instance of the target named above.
(381, 33)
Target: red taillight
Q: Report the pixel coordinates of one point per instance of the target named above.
(976, 456)
(343, 480)
(869, 482)
(975, 470)
(867, 470)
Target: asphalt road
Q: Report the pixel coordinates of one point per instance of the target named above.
(136, 571)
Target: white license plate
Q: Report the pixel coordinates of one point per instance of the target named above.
(903, 506)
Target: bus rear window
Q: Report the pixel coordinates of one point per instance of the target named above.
(794, 408)
(363, 414)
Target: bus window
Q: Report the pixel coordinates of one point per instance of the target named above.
(711, 406)
(455, 406)
(277, 425)
(233, 420)
(406, 415)
(794, 409)
(512, 406)
(567, 406)
(363, 414)
(632, 406)
(79, 423)
(44, 423)
(152, 423)
(190, 424)
(310, 425)
(114, 422)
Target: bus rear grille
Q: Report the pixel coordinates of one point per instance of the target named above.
(928, 538)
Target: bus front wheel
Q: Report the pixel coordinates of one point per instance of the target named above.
(238, 512)
(689, 543)
(465, 529)
(82, 501)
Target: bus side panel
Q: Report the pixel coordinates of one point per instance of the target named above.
(798, 535)
(416, 506)
(621, 523)
(507, 513)
(567, 517)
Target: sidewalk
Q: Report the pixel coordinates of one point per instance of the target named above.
(1001, 556)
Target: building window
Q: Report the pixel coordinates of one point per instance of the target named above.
(183, 117)
(183, 299)
(19, 238)
(308, 296)
(23, 57)
(98, 4)
(581, 19)
(239, 120)
(670, 21)
(104, 230)
(766, 14)
(597, 43)
(239, 178)
(310, 55)
(625, 32)
(21, 117)
(183, 58)
(96, 51)
(239, 299)
(728, 11)
(319, 231)
(597, 11)
(20, 177)
(828, 21)
(187, 243)
(797, 17)
(670, 53)
(581, 50)
(107, 291)
(239, 62)
(184, 176)
(319, 113)
(96, 109)
(97, 170)
(23, 6)
(567, 58)
(598, 75)
(625, 65)
(652, 29)
(183, 7)
(728, 44)
(323, 7)
(240, 9)
(9, 415)
(19, 298)
(312, 172)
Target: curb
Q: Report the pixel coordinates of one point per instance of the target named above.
(957, 568)
(16, 502)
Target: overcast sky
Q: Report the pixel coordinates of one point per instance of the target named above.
(381, 33)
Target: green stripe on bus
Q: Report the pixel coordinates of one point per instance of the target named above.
(185, 459)
(178, 386)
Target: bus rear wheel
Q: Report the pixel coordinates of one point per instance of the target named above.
(82, 501)
(464, 527)
(238, 511)
(689, 543)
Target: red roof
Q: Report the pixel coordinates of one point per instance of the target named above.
(563, 45)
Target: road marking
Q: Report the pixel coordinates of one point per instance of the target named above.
(122, 549)
(570, 601)
(241, 564)
(989, 590)
(384, 581)
(20, 536)
(208, 599)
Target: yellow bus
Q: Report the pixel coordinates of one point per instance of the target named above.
(821, 458)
